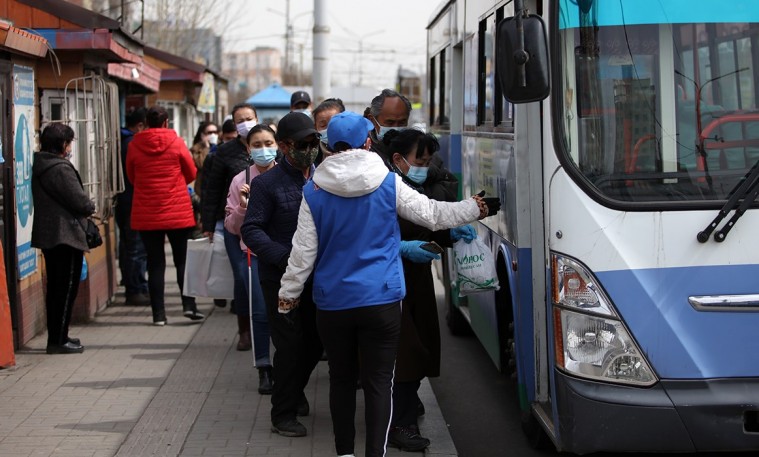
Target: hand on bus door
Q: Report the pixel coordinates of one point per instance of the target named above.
(488, 206)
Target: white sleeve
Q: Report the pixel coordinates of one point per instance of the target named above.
(302, 256)
(432, 214)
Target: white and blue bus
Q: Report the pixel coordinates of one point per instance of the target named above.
(623, 143)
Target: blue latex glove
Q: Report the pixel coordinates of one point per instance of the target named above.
(465, 232)
(412, 251)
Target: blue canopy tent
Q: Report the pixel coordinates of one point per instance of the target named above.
(271, 103)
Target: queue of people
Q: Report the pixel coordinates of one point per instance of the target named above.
(323, 218)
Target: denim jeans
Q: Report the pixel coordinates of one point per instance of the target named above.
(242, 303)
(132, 256)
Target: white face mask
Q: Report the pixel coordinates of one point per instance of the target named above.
(244, 127)
(213, 138)
(305, 111)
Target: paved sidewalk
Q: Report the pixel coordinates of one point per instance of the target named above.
(179, 390)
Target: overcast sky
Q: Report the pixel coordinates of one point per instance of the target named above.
(392, 32)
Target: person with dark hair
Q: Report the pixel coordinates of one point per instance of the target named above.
(263, 152)
(205, 141)
(61, 207)
(300, 102)
(347, 240)
(411, 152)
(231, 158)
(389, 110)
(322, 114)
(132, 255)
(270, 221)
(160, 167)
(228, 131)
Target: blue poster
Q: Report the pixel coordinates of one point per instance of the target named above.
(23, 141)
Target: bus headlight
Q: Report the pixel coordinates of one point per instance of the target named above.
(590, 340)
(601, 348)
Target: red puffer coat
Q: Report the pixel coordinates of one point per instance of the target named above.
(160, 167)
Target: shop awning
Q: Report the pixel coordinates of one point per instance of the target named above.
(18, 40)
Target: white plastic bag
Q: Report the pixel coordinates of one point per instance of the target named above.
(207, 271)
(475, 267)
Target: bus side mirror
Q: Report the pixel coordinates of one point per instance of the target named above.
(522, 59)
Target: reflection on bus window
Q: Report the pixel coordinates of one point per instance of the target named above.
(657, 111)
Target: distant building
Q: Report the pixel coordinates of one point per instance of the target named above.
(200, 45)
(252, 71)
(409, 84)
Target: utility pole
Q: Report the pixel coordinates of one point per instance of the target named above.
(321, 80)
(288, 37)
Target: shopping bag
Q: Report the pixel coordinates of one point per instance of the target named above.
(475, 267)
(220, 280)
(207, 271)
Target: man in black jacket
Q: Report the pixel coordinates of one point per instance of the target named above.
(132, 255)
(270, 223)
(231, 158)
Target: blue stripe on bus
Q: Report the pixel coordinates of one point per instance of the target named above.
(680, 342)
(661, 12)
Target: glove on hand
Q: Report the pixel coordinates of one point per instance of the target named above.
(493, 204)
(286, 305)
(465, 232)
(412, 251)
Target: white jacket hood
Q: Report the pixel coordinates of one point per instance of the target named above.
(351, 173)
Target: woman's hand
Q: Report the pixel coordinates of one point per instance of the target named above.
(244, 191)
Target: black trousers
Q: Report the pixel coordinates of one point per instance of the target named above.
(298, 349)
(373, 332)
(63, 265)
(154, 245)
(405, 403)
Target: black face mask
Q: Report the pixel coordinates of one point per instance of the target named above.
(304, 158)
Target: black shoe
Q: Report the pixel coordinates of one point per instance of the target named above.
(138, 299)
(65, 348)
(407, 439)
(220, 302)
(264, 381)
(75, 341)
(159, 317)
(191, 312)
(290, 427)
(303, 408)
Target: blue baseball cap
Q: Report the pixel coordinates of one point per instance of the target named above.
(348, 127)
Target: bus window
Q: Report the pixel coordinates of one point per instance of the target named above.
(657, 112)
(442, 110)
(504, 113)
(486, 70)
(433, 89)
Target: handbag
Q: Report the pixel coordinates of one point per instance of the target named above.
(92, 232)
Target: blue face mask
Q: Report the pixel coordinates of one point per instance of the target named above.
(416, 174)
(263, 156)
(384, 130)
(323, 134)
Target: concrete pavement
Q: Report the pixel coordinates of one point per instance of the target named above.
(178, 390)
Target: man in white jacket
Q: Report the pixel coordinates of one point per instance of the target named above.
(348, 235)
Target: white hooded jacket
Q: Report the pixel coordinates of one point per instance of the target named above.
(355, 173)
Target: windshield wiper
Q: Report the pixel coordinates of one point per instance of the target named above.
(746, 190)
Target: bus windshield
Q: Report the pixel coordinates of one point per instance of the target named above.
(658, 98)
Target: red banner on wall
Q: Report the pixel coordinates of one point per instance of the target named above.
(7, 357)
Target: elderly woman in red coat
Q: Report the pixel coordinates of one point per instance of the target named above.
(160, 167)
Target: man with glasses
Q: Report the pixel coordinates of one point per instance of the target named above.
(268, 229)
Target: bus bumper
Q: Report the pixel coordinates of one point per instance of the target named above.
(671, 416)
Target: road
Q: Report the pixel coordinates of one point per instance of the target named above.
(480, 404)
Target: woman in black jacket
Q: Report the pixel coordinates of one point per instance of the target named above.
(61, 208)
(410, 154)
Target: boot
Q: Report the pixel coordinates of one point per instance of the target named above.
(243, 326)
(264, 380)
